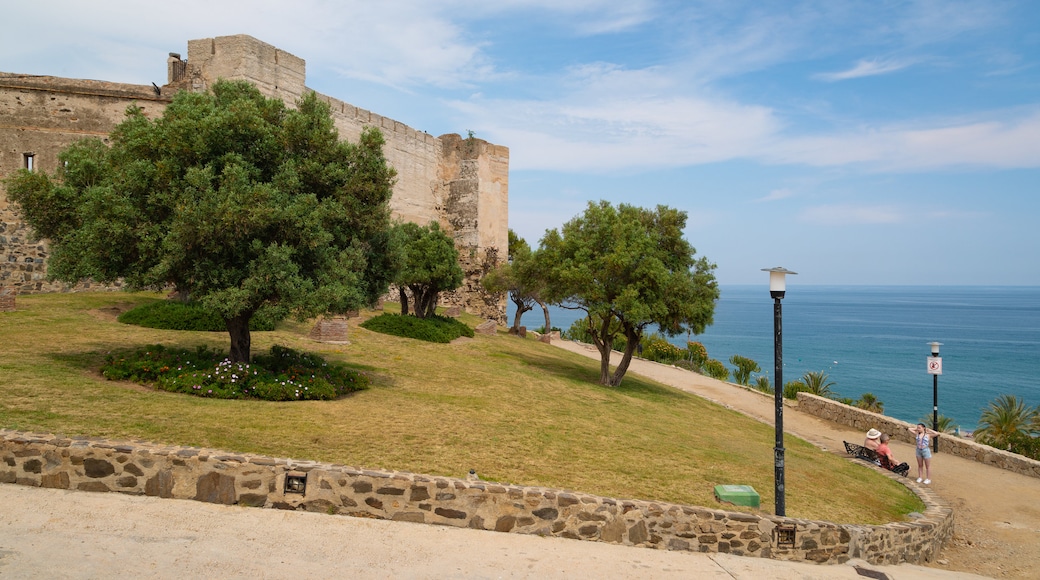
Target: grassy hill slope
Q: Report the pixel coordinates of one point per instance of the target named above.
(514, 410)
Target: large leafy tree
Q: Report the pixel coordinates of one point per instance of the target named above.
(429, 265)
(628, 268)
(231, 197)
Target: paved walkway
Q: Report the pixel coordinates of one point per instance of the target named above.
(47, 533)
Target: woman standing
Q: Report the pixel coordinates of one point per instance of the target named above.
(922, 436)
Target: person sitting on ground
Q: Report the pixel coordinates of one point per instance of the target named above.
(871, 442)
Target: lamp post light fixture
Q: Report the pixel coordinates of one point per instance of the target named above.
(935, 369)
(777, 288)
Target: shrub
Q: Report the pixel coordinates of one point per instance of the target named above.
(174, 315)
(283, 375)
(433, 328)
(658, 349)
(792, 388)
(696, 353)
(762, 384)
(744, 368)
(1024, 444)
(685, 364)
(716, 369)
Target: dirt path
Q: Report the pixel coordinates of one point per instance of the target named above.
(996, 512)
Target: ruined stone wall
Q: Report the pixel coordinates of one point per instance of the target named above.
(843, 414)
(464, 188)
(40, 116)
(476, 174)
(91, 464)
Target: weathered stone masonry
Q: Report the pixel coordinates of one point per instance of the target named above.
(91, 464)
(462, 183)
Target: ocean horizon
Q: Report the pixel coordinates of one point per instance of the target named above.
(874, 339)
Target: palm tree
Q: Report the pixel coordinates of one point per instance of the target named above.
(1004, 418)
(869, 402)
(817, 383)
(946, 424)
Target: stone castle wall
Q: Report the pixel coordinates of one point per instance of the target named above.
(843, 414)
(90, 464)
(460, 183)
(39, 116)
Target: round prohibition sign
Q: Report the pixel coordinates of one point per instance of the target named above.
(934, 365)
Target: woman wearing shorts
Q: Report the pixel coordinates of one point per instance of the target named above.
(922, 438)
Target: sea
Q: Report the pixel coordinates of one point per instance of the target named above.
(875, 339)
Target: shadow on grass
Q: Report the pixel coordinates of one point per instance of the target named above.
(573, 367)
(85, 361)
(91, 361)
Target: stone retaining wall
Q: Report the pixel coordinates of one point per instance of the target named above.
(140, 468)
(843, 414)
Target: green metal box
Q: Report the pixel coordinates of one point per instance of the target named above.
(737, 495)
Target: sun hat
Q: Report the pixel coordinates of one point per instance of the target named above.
(873, 434)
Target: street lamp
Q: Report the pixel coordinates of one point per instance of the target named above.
(777, 286)
(935, 369)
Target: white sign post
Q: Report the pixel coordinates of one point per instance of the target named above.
(935, 365)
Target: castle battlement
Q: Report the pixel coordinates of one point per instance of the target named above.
(462, 183)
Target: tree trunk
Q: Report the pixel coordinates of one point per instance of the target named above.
(520, 309)
(182, 296)
(604, 342)
(545, 309)
(626, 359)
(604, 363)
(238, 329)
(431, 303)
(404, 301)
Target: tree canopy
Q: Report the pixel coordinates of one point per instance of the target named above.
(428, 265)
(1004, 419)
(520, 277)
(628, 268)
(232, 197)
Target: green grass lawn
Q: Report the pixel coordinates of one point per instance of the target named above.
(516, 411)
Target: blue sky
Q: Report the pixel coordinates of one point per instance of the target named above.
(868, 142)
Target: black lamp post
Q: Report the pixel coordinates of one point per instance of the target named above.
(777, 287)
(935, 369)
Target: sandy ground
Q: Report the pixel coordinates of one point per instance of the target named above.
(47, 533)
(996, 513)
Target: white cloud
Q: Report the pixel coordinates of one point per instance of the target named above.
(394, 42)
(993, 139)
(865, 68)
(621, 132)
